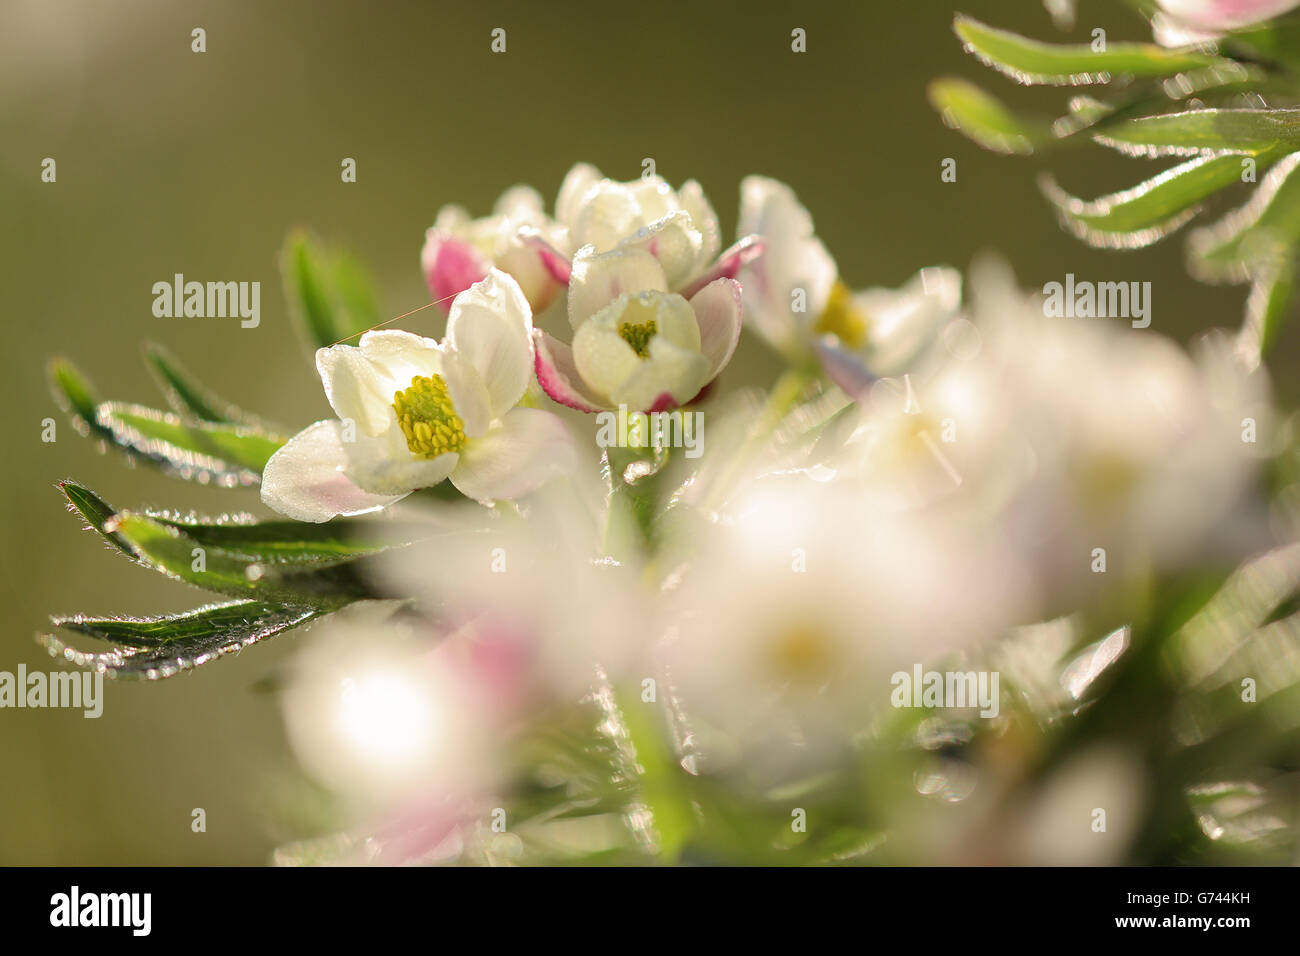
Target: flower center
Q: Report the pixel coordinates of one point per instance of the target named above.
(638, 335)
(802, 653)
(841, 319)
(428, 418)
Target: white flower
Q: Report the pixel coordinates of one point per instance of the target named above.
(378, 711)
(535, 608)
(636, 343)
(1180, 22)
(800, 602)
(413, 411)
(1071, 435)
(796, 301)
(460, 250)
(678, 227)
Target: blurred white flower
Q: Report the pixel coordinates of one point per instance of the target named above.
(1181, 22)
(1071, 434)
(413, 411)
(535, 605)
(376, 711)
(796, 301)
(796, 606)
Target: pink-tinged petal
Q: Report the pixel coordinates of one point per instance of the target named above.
(728, 265)
(450, 266)
(843, 367)
(558, 375)
(420, 829)
(664, 403)
(717, 311)
(1225, 14)
(556, 263)
(305, 479)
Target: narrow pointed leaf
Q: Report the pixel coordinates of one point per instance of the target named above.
(1151, 210)
(204, 451)
(158, 647)
(187, 396)
(1030, 61)
(983, 118)
(97, 512)
(1259, 236)
(292, 542)
(1193, 132)
(1270, 305)
(170, 551)
(76, 396)
(330, 297)
(174, 628)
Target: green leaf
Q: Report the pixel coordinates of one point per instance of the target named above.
(1274, 41)
(97, 512)
(158, 647)
(76, 396)
(1267, 310)
(291, 542)
(167, 549)
(1194, 132)
(1151, 210)
(1259, 237)
(187, 396)
(329, 296)
(1030, 61)
(227, 455)
(984, 119)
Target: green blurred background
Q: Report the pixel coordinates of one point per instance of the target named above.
(171, 161)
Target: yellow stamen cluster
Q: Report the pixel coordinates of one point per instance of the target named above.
(428, 418)
(841, 319)
(638, 335)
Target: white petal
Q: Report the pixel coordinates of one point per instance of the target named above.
(305, 479)
(676, 321)
(717, 312)
(521, 204)
(401, 356)
(356, 389)
(491, 327)
(604, 360)
(693, 200)
(654, 196)
(384, 465)
(575, 186)
(520, 452)
(671, 376)
(598, 280)
(468, 393)
(674, 241)
(608, 213)
(903, 322)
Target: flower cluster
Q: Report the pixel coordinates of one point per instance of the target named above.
(936, 475)
(863, 623)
